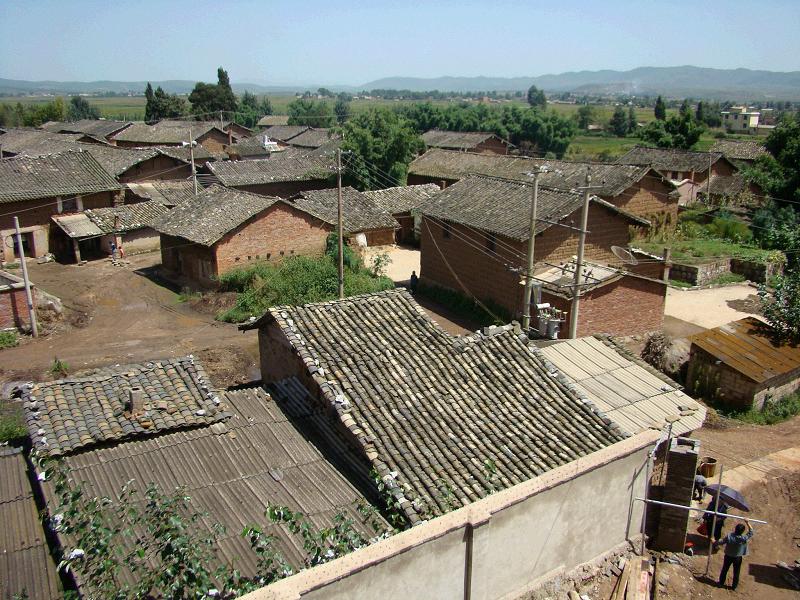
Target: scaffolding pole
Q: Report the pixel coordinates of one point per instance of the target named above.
(702, 510)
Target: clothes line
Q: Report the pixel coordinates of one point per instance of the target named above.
(702, 510)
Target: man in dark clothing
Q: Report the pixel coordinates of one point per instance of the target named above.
(735, 548)
(413, 281)
(709, 519)
(700, 484)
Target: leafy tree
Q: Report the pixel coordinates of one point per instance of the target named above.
(79, 108)
(250, 110)
(781, 306)
(536, 97)
(161, 105)
(325, 92)
(381, 144)
(266, 106)
(619, 122)
(209, 99)
(633, 123)
(660, 110)
(678, 131)
(779, 172)
(306, 111)
(342, 107)
(585, 116)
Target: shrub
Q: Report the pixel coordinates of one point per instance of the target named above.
(774, 411)
(465, 306)
(59, 368)
(12, 423)
(8, 339)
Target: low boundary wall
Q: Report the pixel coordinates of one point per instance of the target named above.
(501, 546)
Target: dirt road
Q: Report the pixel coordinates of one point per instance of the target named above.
(121, 314)
(708, 308)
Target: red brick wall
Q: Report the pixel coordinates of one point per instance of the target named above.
(286, 189)
(14, 309)
(649, 198)
(214, 141)
(629, 306)
(278, 232)
(158, 167)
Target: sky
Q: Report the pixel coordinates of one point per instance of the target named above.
(353, 42)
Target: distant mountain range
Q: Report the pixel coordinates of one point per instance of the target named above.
(680, 82)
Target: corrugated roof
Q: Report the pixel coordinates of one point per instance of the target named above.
(25, 561)
(168, 192)
(400, 199)
(671, 159)
(279, 167)
(442, 419)
(456, 140)
(748, 346)
(359, 212)
(66, 174)
(232, 472)
(207, 217)
(78, 412)
(627, 391)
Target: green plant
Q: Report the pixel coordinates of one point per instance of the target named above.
(727, 278)
(59, 368)
(187, 295)
(380, 262)
(8, 339)
(12, 422)
(465, 307)
(781, 306)
(773, 411)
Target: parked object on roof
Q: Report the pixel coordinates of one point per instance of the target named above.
(36, 188)
(443, 420)
(741, 366)
(628, 390)
(403, 203)
(26, 566)
(472, 141)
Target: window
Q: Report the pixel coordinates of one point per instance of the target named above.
(446, 231)
(491, 243)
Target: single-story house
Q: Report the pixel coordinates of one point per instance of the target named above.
(270, 120)
(283, 133)
(103, 129)
(169, 192)
(732, 190)
(91, 233)
(24, 141)
(742, 366)
(612, 301)
(363, 219)
(638, 189)
(139, 164)
(681, 165)
(207, 134)
(475, 235)
(256, 146)
(164, 423)
(483, 142)
(402, 203)
(37, 188)
(742, 153)
(283, 174)
(312, 138)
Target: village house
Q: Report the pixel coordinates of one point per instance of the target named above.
(256, 146)
(687, 169)
(163, 422)
(481, 142)
(207, 134)
(475, 235)
(271, 120)
(282, 134)
(740, 119)
(741, 366)
(101, 129)
(91, 233)
(139, 164)
(312, 138)
(638, 189)
(283, 174)
(168, 192)
(37, 188)
(742, 153)
(402, 203)
(20, 141)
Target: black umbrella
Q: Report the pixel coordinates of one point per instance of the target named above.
(729, 496)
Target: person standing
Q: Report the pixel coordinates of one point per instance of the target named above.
(735, 548)
(709, 520)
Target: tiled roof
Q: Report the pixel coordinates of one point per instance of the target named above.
(127, 217)
(627, 390)
(79, 412)
(443, 420)
(100, 128)
(35, 142)
(503, 207)
(254, 145)
(564, 175)
(279, 167)
(65, 174)
(25, 562)
(403, 198)
(312, 138)
(271, 120)
(117, 160)
(747, 346)
(670, 159)
(284, 133)
(167, 192)
(166, 132)
(739, 149)
(77, 225)
(455, 140)
(359, 212)
(184, 154)
(214, 212)
(726, 185)
(232, 472)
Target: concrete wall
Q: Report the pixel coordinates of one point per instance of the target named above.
(499, 546)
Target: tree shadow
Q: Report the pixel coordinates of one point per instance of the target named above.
(774, 576)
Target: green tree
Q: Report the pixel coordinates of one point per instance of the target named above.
(381, 144)
(678, 131)
(79, 108)
(342, 107)
(633, 123)
(781, 306)
(619, 122)
(161, 105)
(306, 111)
(325, 92)
(209, 99)
(536, 97)
(660, 110)
(266, 106)
(250, 110)
(779, 172)
(585, 116)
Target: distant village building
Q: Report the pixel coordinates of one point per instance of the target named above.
(741, 366)
(740, 119)
(37, 188)
(283, 134)
(466, 141)
(403, 203)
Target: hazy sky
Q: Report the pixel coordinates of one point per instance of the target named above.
(353, 42)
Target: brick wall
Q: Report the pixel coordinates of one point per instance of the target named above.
(406, 232)
(286, 189)
(277, 232)
(14, 309)
(492, 146)
(158, 167)
(681, 468)
(187, 263)
(649, 198)
(214, 141)
(380, 237)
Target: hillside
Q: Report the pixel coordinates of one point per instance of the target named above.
(173, 86)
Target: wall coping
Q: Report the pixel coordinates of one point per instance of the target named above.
(475, 514)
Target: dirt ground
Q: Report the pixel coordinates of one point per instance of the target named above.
(404, 260)
(711, 307)
(124, 314)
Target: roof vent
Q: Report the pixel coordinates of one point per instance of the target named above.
(135, 402)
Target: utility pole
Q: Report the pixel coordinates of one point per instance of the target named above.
(191, 158)
(526, 306)
(339, 225)
(708, 183)
(28, 295)
(573, 314)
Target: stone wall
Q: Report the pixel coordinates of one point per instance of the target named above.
(755, 271)
(700, 274)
